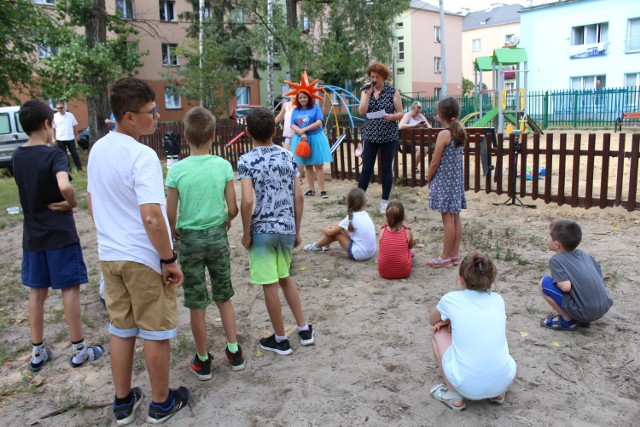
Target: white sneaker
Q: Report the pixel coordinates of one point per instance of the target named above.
(383, 206)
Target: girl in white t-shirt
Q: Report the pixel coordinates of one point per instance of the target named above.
(355, 233)
(469, 341)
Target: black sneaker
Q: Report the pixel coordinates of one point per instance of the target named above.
(180, 398)
(126, 414)
(236, 359)
(310, 193)
(324, 195)
(201, 369)
(46, 355)
(307, 337)
(271, 344)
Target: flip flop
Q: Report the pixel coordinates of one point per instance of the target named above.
(456, 260)
(499, 400)
(441, 393)
(439, 262)
(558, 323)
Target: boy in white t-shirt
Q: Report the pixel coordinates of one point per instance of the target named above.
(125, 195)
(469, 341)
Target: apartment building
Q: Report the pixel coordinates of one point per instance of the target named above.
(417, 56)
(486, 30)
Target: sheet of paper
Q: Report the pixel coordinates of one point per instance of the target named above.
(376, 114)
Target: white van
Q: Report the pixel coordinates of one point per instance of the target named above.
(12, 135)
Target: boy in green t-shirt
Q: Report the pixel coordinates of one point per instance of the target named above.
(202, 183)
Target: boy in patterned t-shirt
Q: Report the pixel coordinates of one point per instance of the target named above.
(271, 229)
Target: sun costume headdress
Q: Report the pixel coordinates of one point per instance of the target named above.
(304, 86)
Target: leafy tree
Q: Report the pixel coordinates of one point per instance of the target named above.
(467, 87)
(21, 25)
(85, 65)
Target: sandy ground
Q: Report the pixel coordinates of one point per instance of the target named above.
(372, 363)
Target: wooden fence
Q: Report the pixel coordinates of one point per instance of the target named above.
(582, 171)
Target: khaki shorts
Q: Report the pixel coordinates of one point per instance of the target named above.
(138, 302)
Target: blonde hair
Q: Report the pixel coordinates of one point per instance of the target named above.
(416, 104)
(356, 200)
(199, 126)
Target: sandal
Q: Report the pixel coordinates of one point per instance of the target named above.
(93, 353)
(558, 322)
(499, 400)
(441, 393)
(439, 262)
(314, 248)
(456, 260)
(310, 193)
(324, 195)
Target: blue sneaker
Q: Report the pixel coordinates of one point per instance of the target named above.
(126, 413)
(180, 399)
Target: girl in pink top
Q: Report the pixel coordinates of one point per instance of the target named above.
(396, 241)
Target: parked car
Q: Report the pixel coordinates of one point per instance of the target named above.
(12, 135)
(83, 138)
(240, 113)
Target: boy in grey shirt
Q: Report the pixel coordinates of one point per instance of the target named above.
(576, 289)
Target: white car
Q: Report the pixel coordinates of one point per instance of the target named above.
(12, 135)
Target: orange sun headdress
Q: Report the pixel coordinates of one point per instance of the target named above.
(304, 86)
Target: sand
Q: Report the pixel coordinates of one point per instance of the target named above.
(372, 363)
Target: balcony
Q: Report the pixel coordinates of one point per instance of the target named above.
(588, 50)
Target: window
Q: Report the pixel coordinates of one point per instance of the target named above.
(633, 35)
(507, 39)
(335, 99)
(437, 65)
(125, 9)
(5, 125)
(50, 2)
(401, 70)
(589, 34)
(305, 25)
(437, 92)
(45, 51)
(588, 82)
(172, 99)
(242, 95)
(632, 80)
(475, 45)
(169, 56)
(401, 48)
(277, 66)
(167, 11)
(236, 16)
(276, 49)
(400, 24)
(436, 34)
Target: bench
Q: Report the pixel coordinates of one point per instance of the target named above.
(625, 116)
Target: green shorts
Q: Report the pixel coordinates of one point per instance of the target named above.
(270, 257)
(205, 248)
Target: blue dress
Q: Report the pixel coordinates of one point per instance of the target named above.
(320, 150)
(446, 193)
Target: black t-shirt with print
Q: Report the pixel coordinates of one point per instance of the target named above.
(378, 130)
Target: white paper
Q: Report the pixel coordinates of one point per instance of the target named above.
(376, 114)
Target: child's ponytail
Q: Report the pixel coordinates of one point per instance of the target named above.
(350, 215)
(355, 203)
(478, 271)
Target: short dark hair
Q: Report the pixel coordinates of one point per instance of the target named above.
(261, 123)
(199, 126)
(567, 232)
(33, 115)
(478, 271)
(130, 94)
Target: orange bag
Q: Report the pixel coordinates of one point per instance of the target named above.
(303, 149)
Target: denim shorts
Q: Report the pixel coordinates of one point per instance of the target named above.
(54, 268)
(350, 251)
(550, 289)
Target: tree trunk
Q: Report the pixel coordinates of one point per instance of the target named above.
(292, 13)
(98, 101)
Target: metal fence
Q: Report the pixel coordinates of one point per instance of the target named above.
(556, 108)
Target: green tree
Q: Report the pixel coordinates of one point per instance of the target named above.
(85, 65)
(21, 25)
(467, 87)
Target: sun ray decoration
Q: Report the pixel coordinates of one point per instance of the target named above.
(304, 86)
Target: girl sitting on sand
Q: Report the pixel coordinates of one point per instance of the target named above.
(396, 241)
(469, 341)
(355, 233)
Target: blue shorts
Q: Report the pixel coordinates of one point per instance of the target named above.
(55, 268)
(350, 251)
(550, 289)
(270, 257)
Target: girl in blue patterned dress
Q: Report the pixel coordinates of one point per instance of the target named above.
(446, 182)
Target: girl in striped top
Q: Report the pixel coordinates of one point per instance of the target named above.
(396, 241)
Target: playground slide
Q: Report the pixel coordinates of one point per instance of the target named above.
(486, 119)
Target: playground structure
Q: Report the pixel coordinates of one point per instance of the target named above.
(509, 105)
